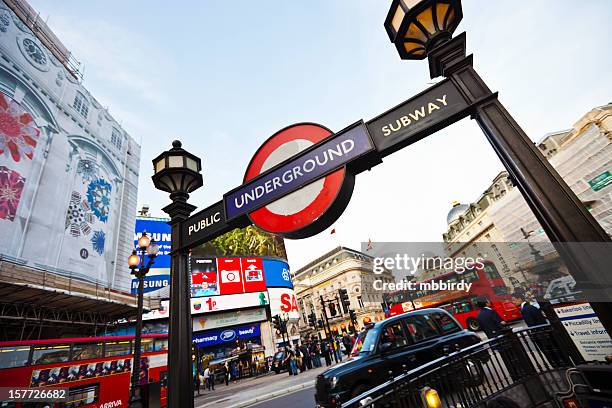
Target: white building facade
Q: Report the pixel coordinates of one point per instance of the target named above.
(68, 170)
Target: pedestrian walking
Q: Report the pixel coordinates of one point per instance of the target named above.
(209, 377)
(234, 372)
(225, 372)
(197, 381)
(346, 340)
(490, 321)
(544, 340)
(327, 354)
(493, 326)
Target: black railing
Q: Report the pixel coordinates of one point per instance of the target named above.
(525, 366)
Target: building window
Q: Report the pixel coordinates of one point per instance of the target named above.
(360, 301)
(81, 104)
(116, 138)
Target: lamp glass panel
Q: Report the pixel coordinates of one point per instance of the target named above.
(441, 10)
(451, 18)
(416, 33)
(160, 165)
(191, 163)
(426, 19)
(152, 249)
(410, 46)
(133, 260)
(397, 18)
(175, 161)
(411, 3)
(143, 241)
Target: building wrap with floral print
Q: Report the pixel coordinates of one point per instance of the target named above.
(68, 170)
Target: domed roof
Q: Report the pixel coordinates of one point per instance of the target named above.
(457, 211)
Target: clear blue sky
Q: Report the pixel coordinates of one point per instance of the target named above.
(223, 76)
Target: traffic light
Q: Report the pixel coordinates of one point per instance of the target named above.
(353, 316)
(344, 299)
(276, 322)
(312, 320)
(332, 309)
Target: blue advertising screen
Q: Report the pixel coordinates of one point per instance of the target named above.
(160, 231)
(226, 335)
(276, 273)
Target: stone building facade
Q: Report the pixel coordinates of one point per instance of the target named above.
(341, 268)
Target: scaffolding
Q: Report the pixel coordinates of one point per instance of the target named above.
(31, 18)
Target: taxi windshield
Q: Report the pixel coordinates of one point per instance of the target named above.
(365, 342)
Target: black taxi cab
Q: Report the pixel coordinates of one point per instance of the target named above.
(411, 339)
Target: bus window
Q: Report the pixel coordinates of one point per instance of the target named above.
(469, 276)
(57, 353)
(83, 395)
(85, 351)
(161, 344)
(465, 307)
(491, 271)
(146, 345)
(14, 356)
(117, 348)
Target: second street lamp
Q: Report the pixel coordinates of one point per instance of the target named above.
(150, 248)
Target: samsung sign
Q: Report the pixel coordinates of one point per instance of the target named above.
(220, 336)
(151, 283)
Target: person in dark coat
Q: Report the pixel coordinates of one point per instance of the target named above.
(531, 314)
(490, 321)
(493, 325)
(549, 346)
(326, 354)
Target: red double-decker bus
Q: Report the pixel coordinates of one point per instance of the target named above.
(95, 370)
(486, 283)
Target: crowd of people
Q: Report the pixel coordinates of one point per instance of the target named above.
(311, 354)
(296, 359)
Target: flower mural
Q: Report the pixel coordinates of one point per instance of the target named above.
(97, 241)
(98, 196)
(78, 216)
(11, 186)
(87, 169)
(18, 132)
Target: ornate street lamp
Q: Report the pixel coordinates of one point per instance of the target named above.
(415, 27)
(177, 172)
(423, 29)
(146, 246)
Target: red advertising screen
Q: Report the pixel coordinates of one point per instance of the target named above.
(253, 274)
(230, 276)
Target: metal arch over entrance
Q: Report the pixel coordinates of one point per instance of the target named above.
(463, 93)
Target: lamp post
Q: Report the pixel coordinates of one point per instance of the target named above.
(177, 172)
(146, 246)
(424, 29)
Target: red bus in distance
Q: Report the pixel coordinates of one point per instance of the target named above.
(96, 370)
(486, 283)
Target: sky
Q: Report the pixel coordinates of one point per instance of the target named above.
(224, 76)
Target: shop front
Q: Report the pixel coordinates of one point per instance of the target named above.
(238, 348)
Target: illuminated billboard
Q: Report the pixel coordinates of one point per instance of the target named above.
(159, 274)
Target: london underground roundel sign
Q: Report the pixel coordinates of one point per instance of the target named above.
(312, 208)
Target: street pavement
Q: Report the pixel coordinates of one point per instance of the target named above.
(299, 399)
(251, 391)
